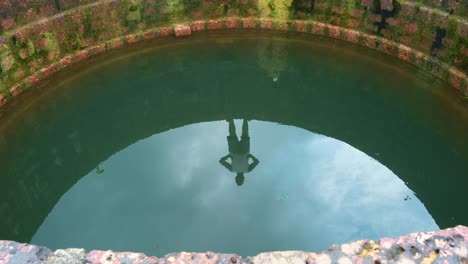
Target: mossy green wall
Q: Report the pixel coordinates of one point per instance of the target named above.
(27, 49)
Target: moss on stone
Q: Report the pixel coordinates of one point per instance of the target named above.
(31, 48)
(2, 86)
(452, 28)
(280, 9)
(50, 43)
(176, 10)
(129, 16)
(7, 59)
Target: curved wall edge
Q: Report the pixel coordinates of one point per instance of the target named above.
(426, 37)
(450, 74)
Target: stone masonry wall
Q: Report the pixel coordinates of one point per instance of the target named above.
(25, 51)
(15, 13)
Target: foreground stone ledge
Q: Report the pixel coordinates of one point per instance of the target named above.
(445, 246)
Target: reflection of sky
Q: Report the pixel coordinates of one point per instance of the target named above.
(168, 193)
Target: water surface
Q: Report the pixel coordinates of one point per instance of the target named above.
(123, 153)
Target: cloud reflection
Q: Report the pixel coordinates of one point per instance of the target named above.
(309, 191)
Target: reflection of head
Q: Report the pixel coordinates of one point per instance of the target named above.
(240, 179)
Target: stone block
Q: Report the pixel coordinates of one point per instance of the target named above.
(197, 25)
(369, 41)
(386, 33)
(32, 80)
(464, 51)
(404, 53)
(334, 32)
(149, 34)
(214, 24)
(232, 12)
(281, 25)
(368, 3)
(248, 23)
(405, 39)
(353, 23)
(394, 22)
(7, 23)
(407, 9)
(439, 53)
(300, 26)
(19, 73)
(356, 12)
(182, 30)
(291, 257)
(411, 27)
(318, 28)
(231, 23)
(388, 47)
(81, 55)
(16, 90)
(13, 252)
(65, 62)
(462, 29)
(252, 12)
(266, 23)
(448, 43)
(98, 48)
(69, 256)
(335, 20)
(338, 10)
(456, 78)
(442, 21)
(165, 31)
(352, 36)
(424, 13)
(375, 17)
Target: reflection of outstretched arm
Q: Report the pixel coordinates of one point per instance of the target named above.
(224, 162)
(254, 163)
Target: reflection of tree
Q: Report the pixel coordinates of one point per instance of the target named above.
(272, 57)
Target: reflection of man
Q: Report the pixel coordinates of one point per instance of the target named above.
(239, 152)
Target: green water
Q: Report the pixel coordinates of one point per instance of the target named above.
(124, 152)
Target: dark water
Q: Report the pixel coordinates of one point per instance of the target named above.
(124, 153)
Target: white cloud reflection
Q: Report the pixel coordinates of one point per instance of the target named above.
(308, 192)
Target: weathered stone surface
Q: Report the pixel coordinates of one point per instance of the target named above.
(281, 257)
(99, 256)
(14, 252)
(368, 3)
(386, 5)
(182, 30)
(445, 246)
(67, 256)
